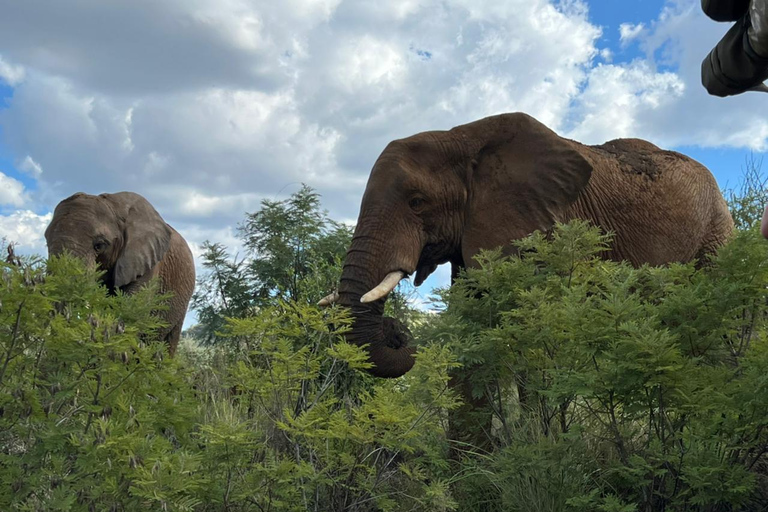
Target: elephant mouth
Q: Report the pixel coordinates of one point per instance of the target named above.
(433, 255)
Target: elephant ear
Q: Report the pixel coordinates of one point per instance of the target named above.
(146, 237)
(523, 178)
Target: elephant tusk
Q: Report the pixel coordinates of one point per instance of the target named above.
(328, 300)
(386, 286)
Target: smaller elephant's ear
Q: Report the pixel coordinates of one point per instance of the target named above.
(146, 237)
(523, 178)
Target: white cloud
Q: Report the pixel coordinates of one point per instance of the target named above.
(617, 97)
(422, 297)
(367, 62)
(310, 91)
(11, 191)
(25, 228)
(537, 67)
(195, 236)
(10, 74)
(196, 204)
(628, 32)
(157, 47)
(29, 166)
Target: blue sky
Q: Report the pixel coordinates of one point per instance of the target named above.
(610, 14)
(207, 107)
(6, 157)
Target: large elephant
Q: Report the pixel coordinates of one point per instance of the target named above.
(441, 196)
(125, 236)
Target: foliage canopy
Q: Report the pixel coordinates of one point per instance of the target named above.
(594, 385)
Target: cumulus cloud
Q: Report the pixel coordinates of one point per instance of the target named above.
(242, 124)
(197, 204)
(630, 31)
(127, 48)
(10, 74)
(677, 41)
(11, 191)
(617, 99)
(195, 235)
(25, 228)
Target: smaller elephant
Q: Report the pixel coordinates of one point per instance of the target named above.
(125, 236)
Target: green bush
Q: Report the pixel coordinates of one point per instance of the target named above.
(91, 417)
(94, 418)
(612, 387)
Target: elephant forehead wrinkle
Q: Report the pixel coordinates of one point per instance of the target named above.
(419, 156)
(84, 209)
(78, 225)
(395, 176)
(393, 164)
(65, 231)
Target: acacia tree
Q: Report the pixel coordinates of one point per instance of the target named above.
(220, 293)
(748, 201)
(294, 248)
(294, 252)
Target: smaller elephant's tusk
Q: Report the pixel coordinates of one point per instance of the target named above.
(386, 286)
(328, 300)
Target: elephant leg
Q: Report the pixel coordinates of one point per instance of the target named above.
(470, 424)
(172, 339)
(470, 437)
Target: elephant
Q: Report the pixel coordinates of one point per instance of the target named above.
(124, 235)
(441, 196)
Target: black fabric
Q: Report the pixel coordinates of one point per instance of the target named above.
(725, 10)
(732, 67)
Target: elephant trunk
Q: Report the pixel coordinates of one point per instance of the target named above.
(71, 245)
(386, 337)
(59, 245)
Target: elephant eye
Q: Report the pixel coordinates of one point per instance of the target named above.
(100, 245)
(416, 203)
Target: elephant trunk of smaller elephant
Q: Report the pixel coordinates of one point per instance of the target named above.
(61, 245)
(386, 337)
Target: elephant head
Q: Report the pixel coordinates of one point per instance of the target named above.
(121, 233)
(440, 197)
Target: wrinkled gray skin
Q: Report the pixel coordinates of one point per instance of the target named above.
(125, 236)
(442, 196)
